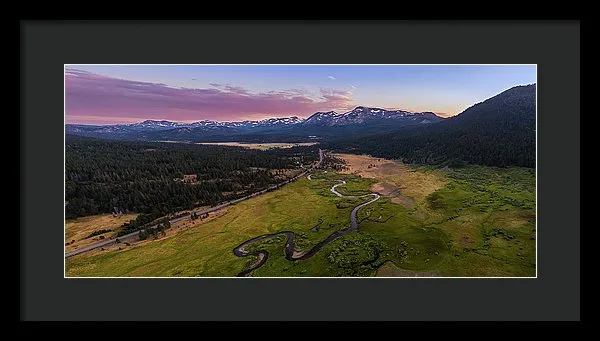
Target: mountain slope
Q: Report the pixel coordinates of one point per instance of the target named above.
(498, 132)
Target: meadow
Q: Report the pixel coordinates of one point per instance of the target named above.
(85, 231)
(259, 146)
(469, 221)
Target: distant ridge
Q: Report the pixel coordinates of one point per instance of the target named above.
(320, 123)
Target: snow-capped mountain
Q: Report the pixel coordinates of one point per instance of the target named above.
(156, 124)
(360, 119)
(162, 125)
(322, 118)
(285, 121)
(360, 115)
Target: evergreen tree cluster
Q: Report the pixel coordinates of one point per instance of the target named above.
(102, 176)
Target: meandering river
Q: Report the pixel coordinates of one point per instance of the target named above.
(291, 253)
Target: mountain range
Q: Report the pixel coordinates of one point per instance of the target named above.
(316, 126)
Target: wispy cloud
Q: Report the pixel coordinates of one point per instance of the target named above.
(353, 87)
(90, 119)
(230, 88)
(95, 96)
(331, 77)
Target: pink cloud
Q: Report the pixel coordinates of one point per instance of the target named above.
(96, 96)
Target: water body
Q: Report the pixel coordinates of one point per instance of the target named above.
(291, 253)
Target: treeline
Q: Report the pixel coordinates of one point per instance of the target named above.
(497, 148)
(497, 132)
(102, 176)
(334, 162)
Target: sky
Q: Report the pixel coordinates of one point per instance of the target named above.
(111, 94)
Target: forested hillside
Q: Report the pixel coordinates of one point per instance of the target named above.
(497, 132)
(144, 177)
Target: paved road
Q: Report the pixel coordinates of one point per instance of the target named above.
(290, 247)
(124, 237)
(212, 209)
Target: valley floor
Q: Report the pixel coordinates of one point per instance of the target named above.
(79, 232)
(260, 146)
(471, 221)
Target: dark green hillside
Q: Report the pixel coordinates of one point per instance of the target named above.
(497, 132)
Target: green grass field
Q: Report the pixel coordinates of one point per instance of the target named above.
(480, 223)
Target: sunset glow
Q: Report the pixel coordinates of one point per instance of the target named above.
(109, 94)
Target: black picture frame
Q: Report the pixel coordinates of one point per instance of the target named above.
(47, 45)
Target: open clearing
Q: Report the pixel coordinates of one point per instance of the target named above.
(402, 184)
(78, 229)
(261, 146)
(471, 221)
(171, 232)
(390, 269)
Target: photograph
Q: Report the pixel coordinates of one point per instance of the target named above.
(417, 171)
